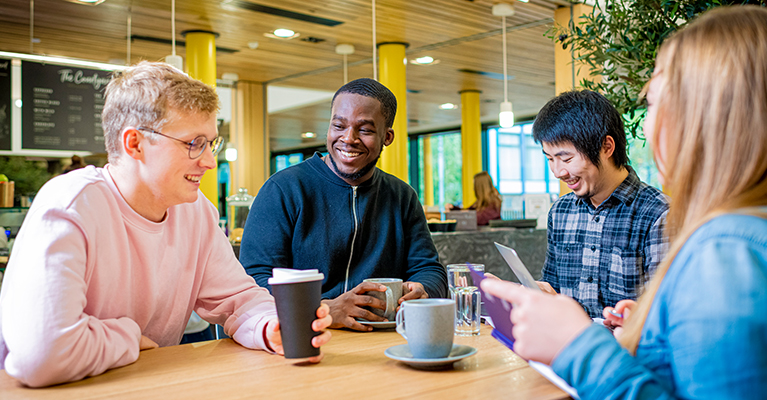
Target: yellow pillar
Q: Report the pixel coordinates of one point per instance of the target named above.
(392, 63)
(250, 137)
(428, 179)
(471, 143)
(569, 73)
(201, 65)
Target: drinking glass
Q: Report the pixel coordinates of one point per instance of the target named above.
(466, 296)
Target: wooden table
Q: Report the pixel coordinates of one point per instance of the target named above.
(354, 367)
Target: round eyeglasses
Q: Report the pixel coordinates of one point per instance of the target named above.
(196, 146)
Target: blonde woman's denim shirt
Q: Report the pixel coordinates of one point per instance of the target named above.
(705, 336)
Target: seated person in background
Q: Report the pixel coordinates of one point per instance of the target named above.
(698, 331)
(111, 261)
(605, 239)
(488, 204)
(342, 215)
(77, 163)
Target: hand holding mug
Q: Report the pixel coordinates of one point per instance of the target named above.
(346, 308)
(412, 291)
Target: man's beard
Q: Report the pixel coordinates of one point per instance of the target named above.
(356, 175)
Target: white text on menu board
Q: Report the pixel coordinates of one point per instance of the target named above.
(80, 78)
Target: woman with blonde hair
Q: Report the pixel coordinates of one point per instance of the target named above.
(489, 200)
(488, 204)
(700, 329)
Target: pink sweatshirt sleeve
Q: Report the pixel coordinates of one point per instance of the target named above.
(230, 297)
(48, 337)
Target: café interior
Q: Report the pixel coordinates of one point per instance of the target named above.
(454, 66)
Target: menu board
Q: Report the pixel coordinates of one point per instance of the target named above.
(5, 104)
(62, 107)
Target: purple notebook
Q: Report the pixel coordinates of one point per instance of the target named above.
(499, 310)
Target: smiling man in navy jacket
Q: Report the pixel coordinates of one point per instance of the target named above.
(342, 215)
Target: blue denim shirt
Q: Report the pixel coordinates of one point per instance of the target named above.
(706, 333)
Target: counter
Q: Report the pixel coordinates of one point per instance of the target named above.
(478, 247)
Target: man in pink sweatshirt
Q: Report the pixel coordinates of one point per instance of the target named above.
(111, 261)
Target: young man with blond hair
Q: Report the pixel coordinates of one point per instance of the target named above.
(111, 261)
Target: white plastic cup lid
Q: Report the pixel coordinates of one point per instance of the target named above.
(289, 275)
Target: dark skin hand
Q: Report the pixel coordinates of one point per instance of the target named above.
(348, 307)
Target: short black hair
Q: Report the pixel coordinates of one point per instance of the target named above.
(371, 88)
(583, 118)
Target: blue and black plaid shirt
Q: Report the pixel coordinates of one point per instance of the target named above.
(602, 255)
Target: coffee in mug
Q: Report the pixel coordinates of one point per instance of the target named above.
(428, 325)
(391, 296)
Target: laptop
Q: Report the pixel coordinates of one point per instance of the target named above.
(517, 267)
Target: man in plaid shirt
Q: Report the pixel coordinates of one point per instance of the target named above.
(605, 239)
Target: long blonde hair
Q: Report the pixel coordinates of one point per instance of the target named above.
(713, 110)
(487, 194)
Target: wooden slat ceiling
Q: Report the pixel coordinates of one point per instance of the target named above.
(461, 34)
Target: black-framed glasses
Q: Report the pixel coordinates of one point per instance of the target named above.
(196, 146)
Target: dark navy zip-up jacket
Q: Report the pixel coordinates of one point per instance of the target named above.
(304, 217)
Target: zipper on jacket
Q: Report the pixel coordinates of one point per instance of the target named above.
(354, 237)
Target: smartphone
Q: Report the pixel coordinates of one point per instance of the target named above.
(499, 310)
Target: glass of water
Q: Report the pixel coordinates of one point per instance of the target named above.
(466, 296)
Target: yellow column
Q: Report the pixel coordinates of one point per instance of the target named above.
(201, 65)
(569, 73)
(392, 63)
(428, 179)
(250, 136)
(471, 143)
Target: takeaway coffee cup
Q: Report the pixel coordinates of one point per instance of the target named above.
(428, 326)
(297, 294)
(391, 296)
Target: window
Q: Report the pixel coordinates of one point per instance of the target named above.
(517, 164)
(445, 153)
(641, 159)
(284, 161)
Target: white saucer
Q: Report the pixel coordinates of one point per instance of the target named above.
(402, 353)
(378, 324)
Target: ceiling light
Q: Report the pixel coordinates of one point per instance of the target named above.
(174, 59)
(63, 61)
(230, 154)
(345, 49)
(253, 45)
(308, 135)
(448, 106)
(283, 33)
(425, 60)
(87, 2)
(506, 116)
